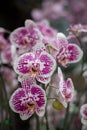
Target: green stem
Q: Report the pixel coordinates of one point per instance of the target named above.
(46, 113)
(46, 116)
(37, 123)
(66, 118)
(3, 83)
(4, 92)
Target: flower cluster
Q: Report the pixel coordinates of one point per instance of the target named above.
(41, 50)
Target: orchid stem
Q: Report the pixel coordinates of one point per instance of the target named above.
(37, 123)
(66, 118)
(46, 116)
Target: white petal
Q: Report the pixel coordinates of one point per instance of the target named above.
(40, 111)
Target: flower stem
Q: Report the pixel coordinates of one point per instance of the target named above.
(37, 123)
(66, 118)
(46, 113)
(46, 116)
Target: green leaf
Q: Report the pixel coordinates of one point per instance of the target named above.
(57, 105)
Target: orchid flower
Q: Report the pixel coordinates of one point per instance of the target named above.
(28, 99)
(65, 89)
(38, 65)
(67, 52)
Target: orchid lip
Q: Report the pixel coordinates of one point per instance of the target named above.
(31, 106)
(34, 72)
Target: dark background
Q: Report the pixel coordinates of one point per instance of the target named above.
(14, 12)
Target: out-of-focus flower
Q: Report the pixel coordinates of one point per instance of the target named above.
(11, 83)
(78, 28)
(28, 100)
(65, 89)
(6, 54)
(67, 52)
(36, 65)
(26, 37)
(6, 51)
(77, 11)
(47, 31)
(83, 112)
(78, 35)
(55, 11)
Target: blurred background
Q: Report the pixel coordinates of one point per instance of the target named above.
(61, 12)
(14, 12)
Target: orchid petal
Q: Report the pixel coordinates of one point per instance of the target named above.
(65, 89)
(83, 111)
(49, 64)
(62, 40)
(26, 114)
(60, 75)
(38, 95)
(84, 121)
(22, 63)
(44, 79)
(15, 101)
(40, 111)
(75, 53)
(16, 37)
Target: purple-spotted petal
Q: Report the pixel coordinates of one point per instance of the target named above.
(39, 96)
(26, 114)
(83, 111)
(15, 101)
(40, 111)
(62, 40)
(22, 63)
(75, 53)
(44, 79)
(69, 90)
(16, 37)
(49, 64)
(27, 81)
(65, 89)
(39, 47)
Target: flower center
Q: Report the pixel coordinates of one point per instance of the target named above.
(34, 71)
(31, 106)
(1, 46)
(68, 95)
(63, 60)
(25, 42)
